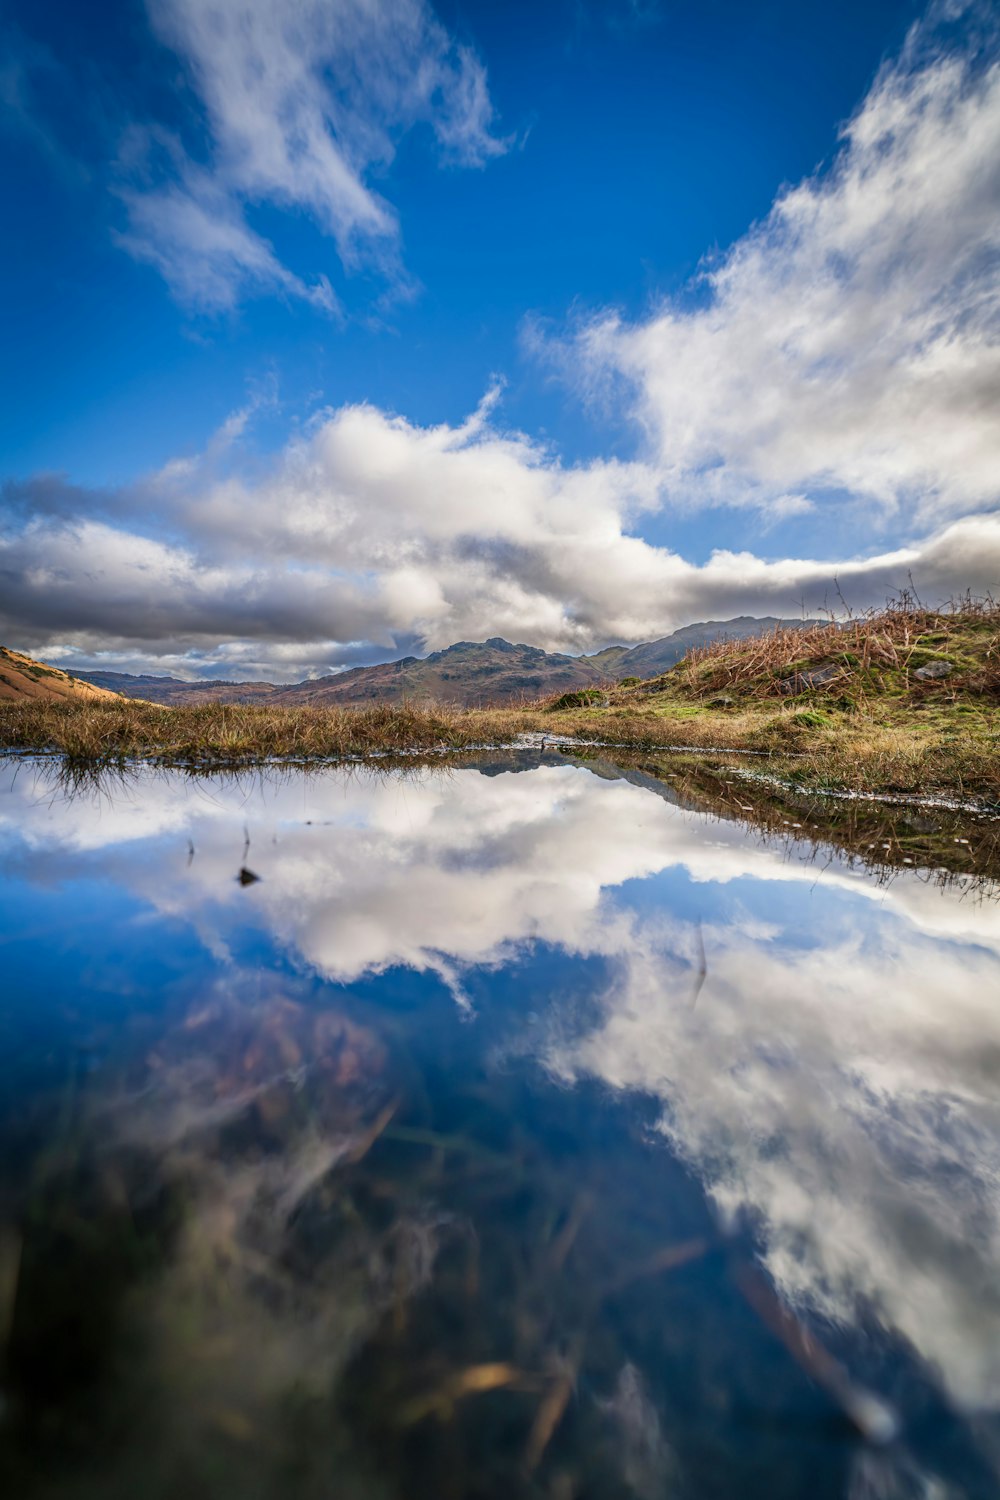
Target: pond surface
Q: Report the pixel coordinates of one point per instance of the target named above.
(502, 1130)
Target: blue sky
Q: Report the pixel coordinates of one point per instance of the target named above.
(338, 328)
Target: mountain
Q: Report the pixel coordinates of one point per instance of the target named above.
(22, 678)
(654, 657)
(470, 674)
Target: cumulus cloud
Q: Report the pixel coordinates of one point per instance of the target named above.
(301, 102)
(847, 347)
(370, 528)
(841, 364)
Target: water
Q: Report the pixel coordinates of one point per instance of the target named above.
(520, 1129)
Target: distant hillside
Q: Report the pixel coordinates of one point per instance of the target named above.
(655, 657)
(22, 678)
(176, 692)
(469, 674)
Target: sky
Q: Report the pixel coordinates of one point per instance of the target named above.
(342, 329)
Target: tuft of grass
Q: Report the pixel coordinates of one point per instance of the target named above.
(866, 655)
(811, 718)
(582, 698)
(110, 733)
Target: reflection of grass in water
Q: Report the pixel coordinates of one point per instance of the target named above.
(68, 779)
(955, 849)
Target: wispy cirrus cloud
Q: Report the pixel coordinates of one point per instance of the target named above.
(298, 104)
(848, 347)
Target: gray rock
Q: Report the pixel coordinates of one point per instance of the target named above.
(801, 682)
(933, 670)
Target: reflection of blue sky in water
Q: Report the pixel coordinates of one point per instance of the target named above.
(838, 1074)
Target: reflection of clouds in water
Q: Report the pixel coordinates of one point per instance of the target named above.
(434, 867)
(645, 1455)
(838, 1073)
(429, 872)
(848, 1093)
(34, 811)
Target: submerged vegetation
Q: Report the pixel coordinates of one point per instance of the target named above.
(904, 699)
(373, 1264)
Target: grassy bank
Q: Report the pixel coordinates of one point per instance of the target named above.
(244, 734)
(905, 700)
(876, 750)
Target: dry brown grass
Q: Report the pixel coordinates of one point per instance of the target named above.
(243, 734)
(876, 652)
(949, 752)
(873, 725)
(876, 728)
(952, 751)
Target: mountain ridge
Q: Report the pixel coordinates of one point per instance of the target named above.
(466, 673)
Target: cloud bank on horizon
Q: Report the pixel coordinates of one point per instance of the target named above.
(840, 363)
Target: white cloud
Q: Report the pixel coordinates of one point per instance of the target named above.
(302, 100)
(195, 235)
(370, 528)
(851, 341)
(842, 371)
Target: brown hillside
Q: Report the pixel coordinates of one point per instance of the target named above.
(470, 674)
(22, 678)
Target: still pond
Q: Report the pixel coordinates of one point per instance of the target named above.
(514, 1128)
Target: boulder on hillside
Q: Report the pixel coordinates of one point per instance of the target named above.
(804, 682)
(933, 670)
